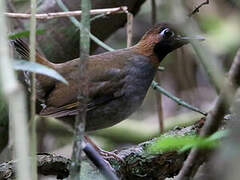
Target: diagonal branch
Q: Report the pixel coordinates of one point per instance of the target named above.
(179, 101)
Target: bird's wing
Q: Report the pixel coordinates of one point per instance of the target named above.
(23, 50)
(102, 89)
(44, 83)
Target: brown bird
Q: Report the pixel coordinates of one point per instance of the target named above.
(118, 80)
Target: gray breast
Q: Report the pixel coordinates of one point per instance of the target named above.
(138, 80)
(140, 73)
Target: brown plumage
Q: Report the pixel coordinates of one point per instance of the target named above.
(118, 80)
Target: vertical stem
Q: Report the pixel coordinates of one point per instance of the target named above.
(15, 97)
(159, 105)
(129, 29)
(154, 12)
(80, 122)
(158, 78)
(33, 89)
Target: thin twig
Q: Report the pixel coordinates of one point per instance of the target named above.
(98, 16)
(158, 79)
(196, 10)
(70, 14)
(159, 106)
(154, 12)
(47, 16)
(129, 29)
(176, 99)
(213, 120)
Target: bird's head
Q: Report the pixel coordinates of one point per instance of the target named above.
(161, 40)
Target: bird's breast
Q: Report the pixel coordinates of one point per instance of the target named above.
(139, 75)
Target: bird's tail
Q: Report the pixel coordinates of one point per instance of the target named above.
(22, 49)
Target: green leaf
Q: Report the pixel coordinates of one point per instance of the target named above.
(25, 34)
(184, 143)
(37, 68)
(164, 144)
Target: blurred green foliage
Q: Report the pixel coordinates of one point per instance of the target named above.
(184, 143)
(211, 23)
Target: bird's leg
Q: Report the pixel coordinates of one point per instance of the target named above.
(105, 154)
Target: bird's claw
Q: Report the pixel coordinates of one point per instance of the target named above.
(110, 155)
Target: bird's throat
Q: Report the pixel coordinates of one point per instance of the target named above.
(161, 50)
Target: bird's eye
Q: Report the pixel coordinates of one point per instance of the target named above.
(167, 33)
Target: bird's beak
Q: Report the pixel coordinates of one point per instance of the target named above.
(186, 39)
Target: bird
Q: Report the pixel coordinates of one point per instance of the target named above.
(117, 81)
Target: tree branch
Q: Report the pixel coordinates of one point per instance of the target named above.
(48, 164)
(138, 164)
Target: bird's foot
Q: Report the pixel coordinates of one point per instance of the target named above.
(105, 154)
(109, 155)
